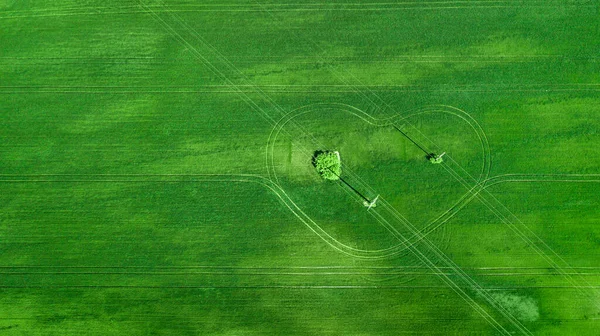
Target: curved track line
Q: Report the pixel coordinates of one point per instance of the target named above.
(382, 122)
(234, 178)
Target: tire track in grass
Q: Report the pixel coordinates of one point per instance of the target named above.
(461, 180)
(263, 96)
(369, 119)
(459, 290)
(199, 178)
(321, 7)
(439, 254)
(495, 206)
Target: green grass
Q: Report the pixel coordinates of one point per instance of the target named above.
(115, 116)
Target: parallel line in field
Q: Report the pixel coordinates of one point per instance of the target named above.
(296, 88)
(541, 178)
(476, 194)
(459, 179)
(293, 59)
(150, 318)
(306, 9)
(438, 253)
(441, 254)
(495, 85)
(313, 5)
(279, 91)
(127, 319)
(289, 267)
(309, 4)
(285, 62)
(212, 51)
(517, 231)
(281, 195)
(257, 10)
(491, 207)
(308, 56)
(494, 288)
(509, 274)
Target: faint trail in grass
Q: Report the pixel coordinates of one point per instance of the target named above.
(453, 173)
(445, 277)
(468, 299)
(322, 7)
(505, 219)
(196, 178)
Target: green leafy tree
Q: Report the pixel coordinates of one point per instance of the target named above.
(434, 158)
(328, 164)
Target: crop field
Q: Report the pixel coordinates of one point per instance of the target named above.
(157, 171)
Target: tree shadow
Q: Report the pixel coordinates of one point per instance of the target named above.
(314, 157)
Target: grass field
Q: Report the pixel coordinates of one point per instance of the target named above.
(156, 177)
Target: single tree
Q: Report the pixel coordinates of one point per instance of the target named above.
(434, 158)
(328, 164)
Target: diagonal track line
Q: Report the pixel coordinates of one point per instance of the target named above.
(489, 299)
(466, 297)
(455, 287)
(521, 235)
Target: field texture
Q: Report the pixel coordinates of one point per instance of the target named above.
(156, 175)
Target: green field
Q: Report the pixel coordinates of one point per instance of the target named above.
(156, 176)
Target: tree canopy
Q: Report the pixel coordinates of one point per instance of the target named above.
(328, 164)
(434, 158)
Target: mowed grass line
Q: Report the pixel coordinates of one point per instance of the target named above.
(456, 287)
(463, 275)
(564, 221)
(509, 71)
(454, 174)
(194, 239)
